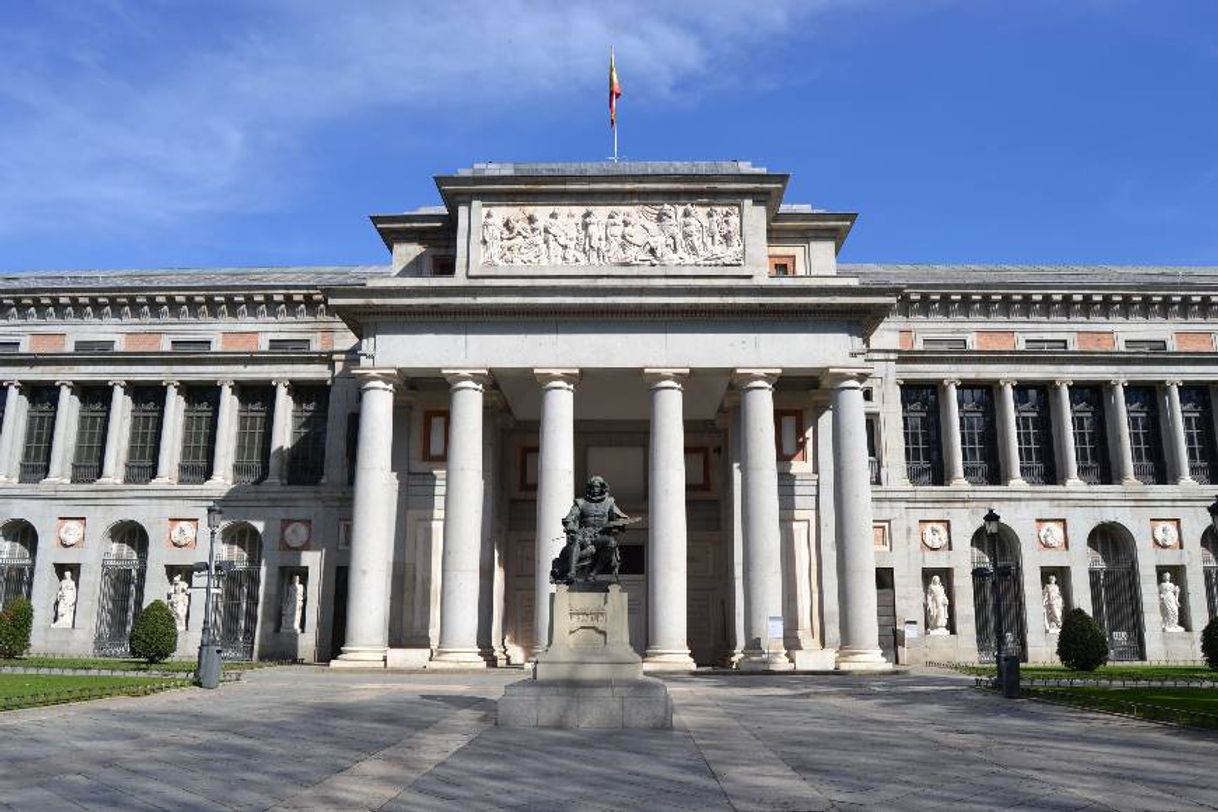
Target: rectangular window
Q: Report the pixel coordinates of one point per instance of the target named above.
(307, 447)
(255, 405)
(782, 265)
(873, 458)
(198, 433)
(789, 434)
(945, 344)
(1045, 344)
(1145, 442)
(1146, 345)
(1034, 435)
(1198, 432)
(1090, 434)
(528, 467)
(289, 345)
(352, 446)
(443, 266)
(697, 469)
(147, 407)
(978, 435)
(190, 345)
(435, 436)
(39, 428)
(920, 423)
(91, 433)
(94, 346)
(10, 346)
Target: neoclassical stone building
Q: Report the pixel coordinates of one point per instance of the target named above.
(811, 446)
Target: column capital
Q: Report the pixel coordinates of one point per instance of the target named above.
(118, 383)
(665, 378)
(563, 378)
(384, 378)
(1063, 383)
(1118, 382)
(1007, 383)
(466, 378)
(755, 378)
(1173, 383)
(171, 384)
(61, 384)
(226, 383)
(845, 377)
(951, 381)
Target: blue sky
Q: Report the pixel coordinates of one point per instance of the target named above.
(158, 133)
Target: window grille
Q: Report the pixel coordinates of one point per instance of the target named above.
(18, 544)
(144, 445)
(945, 344)
(1090, 435)
(307, 451)
(288, 345)
(93, 346)
(1209, 564)
(978, 435)
(190, 345)
(1034, 434)
(920, 422)
(10, 346)
(39, 429)
(1198, 420)
(255, 405)
(873, 458)
(1145, 442)
(91, 434)
(1139, 345)
(1045, 344)
(198, 434)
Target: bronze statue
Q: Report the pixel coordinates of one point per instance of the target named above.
(591, 528)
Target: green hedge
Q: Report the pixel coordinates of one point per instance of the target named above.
(154, 635)
(16, 624)
(1082, 645)
(1209, 643)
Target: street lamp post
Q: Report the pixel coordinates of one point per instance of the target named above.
(208, 673)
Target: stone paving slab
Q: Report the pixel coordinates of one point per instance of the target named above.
(311, 738)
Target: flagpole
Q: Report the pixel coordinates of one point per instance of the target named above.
(615, 142)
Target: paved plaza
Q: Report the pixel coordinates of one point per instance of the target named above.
(307, 737)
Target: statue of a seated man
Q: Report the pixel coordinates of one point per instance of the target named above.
(591, 528)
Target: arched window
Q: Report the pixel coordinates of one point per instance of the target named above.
(1116, 597)
(121, 596)
(18, 546)
(240, 575)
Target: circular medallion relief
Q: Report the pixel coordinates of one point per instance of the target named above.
(71, 531)
(934, 536)
(182, 534)
(296, 534)
(1051, 536)
(1165, 535)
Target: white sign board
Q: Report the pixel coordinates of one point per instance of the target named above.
(911, 630)
(775, 627)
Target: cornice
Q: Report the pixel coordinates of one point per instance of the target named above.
(1076, 307)
(164, 307)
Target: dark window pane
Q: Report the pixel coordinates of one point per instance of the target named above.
(1090, 434)
(144, 445)
(91, 433)
(920, 423)
(39, 428)
(1145, 443)
(978, 435)
(1034, 433)
(1198, 419)
(288, 345)
(198, 433)
(307, 449)
(255, 405)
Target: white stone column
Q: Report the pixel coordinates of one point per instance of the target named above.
(372, 515)
(1175, 417)
(59, 470)
(953, 457)
(8, 430)
(1120, 421)
(762, 553)
(114, 432)
(1063, 420)
(1009, 431)
(555, 486)
(222, 453)
(462, 556)
(860, 649)
(667, 541)
(281, 419)
(169, 434)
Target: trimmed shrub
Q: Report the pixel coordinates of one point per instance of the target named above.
(1081, 646)
(1209, 643)
(154, 635)
(16, 624)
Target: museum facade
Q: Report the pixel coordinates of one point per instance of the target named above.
(811, 448)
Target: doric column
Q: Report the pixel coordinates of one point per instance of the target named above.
(953, 456)
(281, 419)
(1064, 421)
(1120, 419)
(1009, 431)
(372, 521)
(667, 647)
(8, 430)
(169, 434)
(860, 648)
(60, 458)
(114, 432)
(1175, 416)
(461, 559)
(555, 486)
(762, 551)
(222, 454)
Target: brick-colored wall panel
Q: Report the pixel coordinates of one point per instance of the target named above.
(1195, 342)
(48, 342)
(239, 342)
(142, 342)
(1095, 341)
(325, 340)
(906, 339)
(995, 340)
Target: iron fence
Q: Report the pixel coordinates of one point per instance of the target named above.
(16, 579)
(139, 473)
(235, 612)
(32, 471)
(119, 603)
(85, 471)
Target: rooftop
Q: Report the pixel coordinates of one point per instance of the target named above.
(491, 168)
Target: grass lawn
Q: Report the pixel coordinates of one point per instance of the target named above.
(1107, 672)
(1166, 704)
(29, 690)
(116, 664)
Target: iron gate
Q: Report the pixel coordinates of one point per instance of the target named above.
(16, 578)
(1010, 599)
(1211, 590)
(236, 610)
(1116, 597)
(120, 601)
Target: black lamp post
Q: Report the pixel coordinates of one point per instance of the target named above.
(208, 673)
(1007, 668)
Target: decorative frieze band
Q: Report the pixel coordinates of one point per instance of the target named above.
(1073, 306)
(164, 308)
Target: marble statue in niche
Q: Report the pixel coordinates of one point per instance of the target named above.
(179, 601)
(65, 602)
(1169, 604)
(292, 617)
(1054, 604)
(936, 608)
(645, 234)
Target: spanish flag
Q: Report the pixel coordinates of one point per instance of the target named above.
(615, 91)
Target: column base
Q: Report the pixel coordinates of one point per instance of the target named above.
(668, 660)
(862, 660)
(217, 481)
(1017, 483)
(1133, 480)
(456, 659)
(959, 483)
(1074, 483)
(161, 480)
(361, 657)
(1186, 480)
(764, 661)
(54, 480)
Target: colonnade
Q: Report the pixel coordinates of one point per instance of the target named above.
(458, 647)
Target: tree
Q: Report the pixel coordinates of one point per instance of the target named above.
(1209, 643)
(154, 635)
(16, 624)
(1082, 645)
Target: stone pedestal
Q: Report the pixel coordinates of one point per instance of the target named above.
(589, 676)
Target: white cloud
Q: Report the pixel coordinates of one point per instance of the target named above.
(151, 111)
